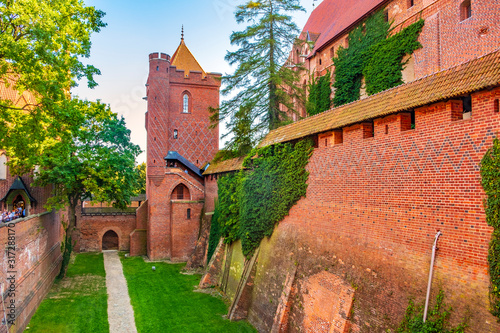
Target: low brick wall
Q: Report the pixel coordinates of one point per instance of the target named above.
(28, 270)
(93, 227)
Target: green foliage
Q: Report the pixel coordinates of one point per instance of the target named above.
(490, 180)
(320, 92)
(78, 303)
(239, 128)
(97, 161)
(373, 56)
(437, 319)
(164, 300)
(384, 69)
(260, 75)
(141, 176)
(42, 43)
(214, 237)
(350, 62)
(229, 205)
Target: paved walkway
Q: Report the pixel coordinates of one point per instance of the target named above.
(120, 312)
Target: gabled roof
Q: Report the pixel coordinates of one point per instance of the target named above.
(475, 75)
(175, 156)
(19, 185)
(233, 164)
(8, 92)
(184, 60)
(332, 17)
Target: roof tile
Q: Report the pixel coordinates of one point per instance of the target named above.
(472, 76)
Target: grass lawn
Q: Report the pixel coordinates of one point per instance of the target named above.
(164, 301)
(77, 303)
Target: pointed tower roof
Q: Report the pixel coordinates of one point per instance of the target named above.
(183, 59)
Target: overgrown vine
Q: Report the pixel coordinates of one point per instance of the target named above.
(251, 202)
(437, 319)
(214, 236)
(320, 92)
(490, 180)
(373, 55)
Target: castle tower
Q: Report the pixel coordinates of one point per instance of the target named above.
(179, 142)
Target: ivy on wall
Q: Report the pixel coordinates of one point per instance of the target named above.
(350, 62)
(229, 193)
(251, 202)
(373, 56)
(490, 180)
(214, 236)
(320, 92)
(385, 65)
(277, 181)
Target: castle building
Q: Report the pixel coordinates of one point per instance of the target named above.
(179, 142)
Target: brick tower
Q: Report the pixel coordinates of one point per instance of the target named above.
(179, 142)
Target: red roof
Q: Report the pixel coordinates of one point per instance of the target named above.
(332, 17)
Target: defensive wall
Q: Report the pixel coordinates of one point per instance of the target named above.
(31, 259)
(387, 173)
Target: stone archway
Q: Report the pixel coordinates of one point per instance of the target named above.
(110, 240)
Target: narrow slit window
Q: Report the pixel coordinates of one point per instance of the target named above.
(188, 213)
(411, 3)
(465, 10)
(185, 104)
(176, 134)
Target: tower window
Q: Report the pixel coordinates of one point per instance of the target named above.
(176, 134)
(465, 10)
(410, 3)
(188, 213)
(185, 103)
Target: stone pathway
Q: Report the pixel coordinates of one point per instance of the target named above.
(120, 312)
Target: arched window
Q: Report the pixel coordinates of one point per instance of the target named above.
(3, 166)
(465, 10)
(180, 192)
(176, 134)
(185, 103)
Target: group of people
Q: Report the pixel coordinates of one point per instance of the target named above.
(16, 213)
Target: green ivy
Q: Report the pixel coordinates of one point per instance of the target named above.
(276, 182)
(350, 62)
(373, 56)
(320, 92)
(384, 67)
(437, 319)
(251, 202)
(213, 238)
(229, 193)
(490, 180)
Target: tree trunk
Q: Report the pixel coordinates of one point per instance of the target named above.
(68, 240)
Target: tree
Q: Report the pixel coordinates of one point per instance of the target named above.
(98, 163)
(41, 43)
(260, 75)
(141, 174)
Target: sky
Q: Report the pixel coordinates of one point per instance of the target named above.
(137, 28)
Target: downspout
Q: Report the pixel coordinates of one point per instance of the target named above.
(430, 275)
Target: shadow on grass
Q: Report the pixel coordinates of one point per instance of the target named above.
(164, 301)
(78, 302)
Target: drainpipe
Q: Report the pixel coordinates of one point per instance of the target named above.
(430, 274)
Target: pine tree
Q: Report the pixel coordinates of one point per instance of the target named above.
(260, 74)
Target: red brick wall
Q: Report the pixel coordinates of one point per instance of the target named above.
(162, 228)
(371, 212)
(37, 262)
(210, 192)
(185, 231)
(446, 40)
(93, 227)
(195, 142)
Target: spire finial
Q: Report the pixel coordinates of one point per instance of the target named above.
(182, 32)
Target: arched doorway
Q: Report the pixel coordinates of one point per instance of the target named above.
(110, 240)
